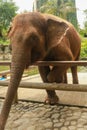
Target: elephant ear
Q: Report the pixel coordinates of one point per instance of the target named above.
(10, 31)
(55, 31)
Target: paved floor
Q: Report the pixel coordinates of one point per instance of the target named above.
(38, 116)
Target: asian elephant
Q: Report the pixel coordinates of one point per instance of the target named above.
(35, 36)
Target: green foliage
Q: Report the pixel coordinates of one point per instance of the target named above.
(7, 12)
(49, 7)
(85, 23)
(85, 12)
(81, 31)
(4, 41)
(84, 48)
(85, 26)
(60, 8)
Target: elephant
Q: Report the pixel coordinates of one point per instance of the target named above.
(35, 36)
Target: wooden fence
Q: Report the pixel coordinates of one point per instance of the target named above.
(51, 86)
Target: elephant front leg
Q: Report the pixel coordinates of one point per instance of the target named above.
(57, 74)
(1, 124)
(52, 98)
(74, 74)
(65, 77)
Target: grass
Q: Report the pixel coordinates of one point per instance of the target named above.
(29, 72)
(3, 68)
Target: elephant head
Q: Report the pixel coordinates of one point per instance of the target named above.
(32, 35)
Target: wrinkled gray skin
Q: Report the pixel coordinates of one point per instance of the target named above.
(35, 37)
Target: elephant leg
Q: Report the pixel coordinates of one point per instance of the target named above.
(51, 94)
(44, 71)
(74, 74)
(65, 77)
(57, 74)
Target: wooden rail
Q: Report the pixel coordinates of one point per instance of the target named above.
(5, 63)
(62, 63)
(53, 63)
(51, 86)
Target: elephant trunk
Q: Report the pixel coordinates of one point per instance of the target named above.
(17, 68)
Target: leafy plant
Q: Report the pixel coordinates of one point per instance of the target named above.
(7, 12)
(60, 8)
(84, 48)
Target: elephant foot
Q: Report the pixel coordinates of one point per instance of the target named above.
(52, 100)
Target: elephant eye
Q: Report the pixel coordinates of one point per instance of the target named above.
(34, 38)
